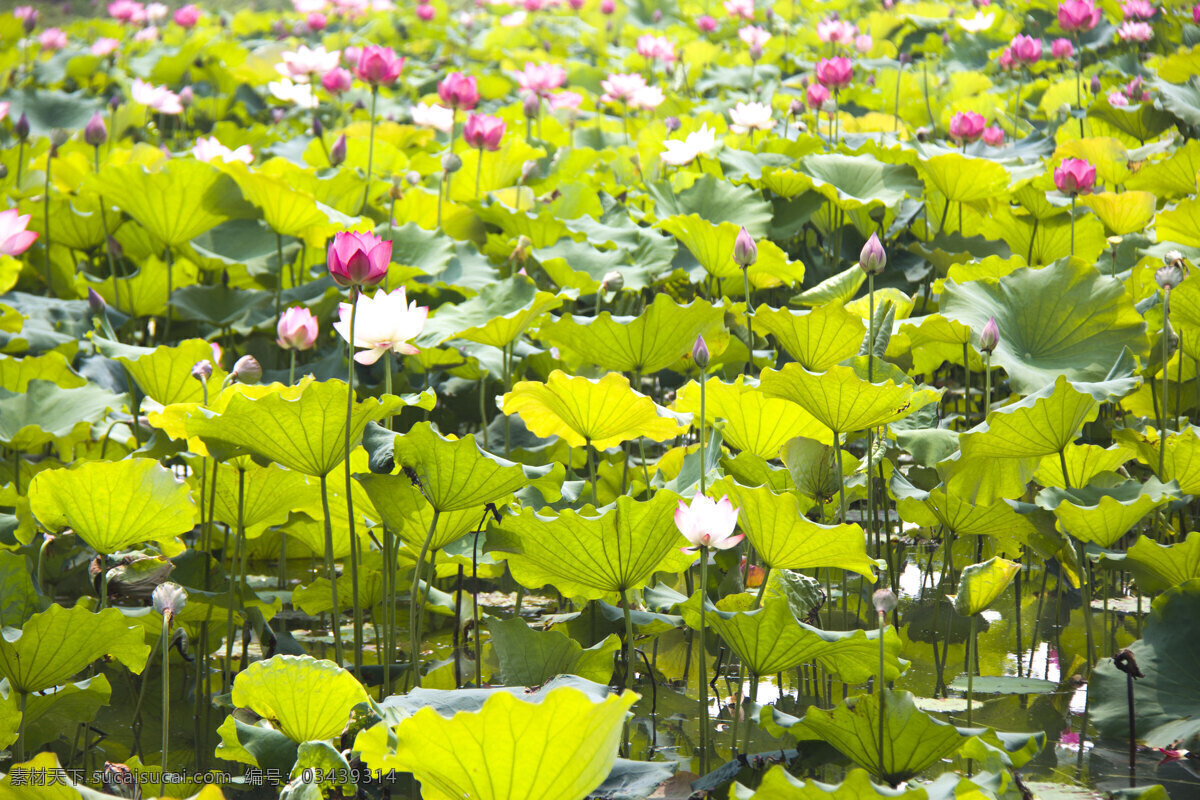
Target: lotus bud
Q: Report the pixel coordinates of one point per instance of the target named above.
(796, 107)
(29, 21)
(657, 16)
(884, 601)
(96, 303)
(451, 163)
(531, 105)
(529, 171)
(745, 251)
(337, 153)
(246, 370)
(58, 137)
(318, 128)
(21, 128)
(700, 353)
(905, 58)
(3, 171)
(1095, 84)
(277, 115)
(989, 337)
(187, 97)
(95, 133)
(114, 102)
(672, 124)
(114, 247)
(613, 281)
(873, 257)
(169, 599)
(412, 177)
(202, 370)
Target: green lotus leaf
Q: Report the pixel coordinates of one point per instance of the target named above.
(1185, 316)
(933, 339)
(1103, 514)
(812, 467)
(1142, 121)
(1172, 177)
(530, 658)
(785, 539)
(323, 759)
(1127, 212)
(861, 181)
(712, 245)
(1062, 319)
(1004, 684)
(52, 367)
(778, 784)
(257, 745)
(1042, 424)
(145, 292)
(164, 373)
(655, 339)
(407, 513)
(601, 413)
(223, 306)
(497, 316)
(840, 289)
(1108, 155)
(982, 584)
(45, 413)
(818, 339)
(1168, 698)
(715, 200)
(592, 555)
(16, 587)
(269, 495)
(456, 474)
(1084, 462)
(749, 419)
(304, 698)
(304, 431)
(48, 715)
(1158, 567)
(912, 739)
(10, 714)
(113, 505)
(79, 637)
(286, 208)
(57, 783)
(485, 755)
(770, 640)
(841, 400)
(940, 507)
(316, 596)
(1180, 224)
(962, 179)
(180, 200)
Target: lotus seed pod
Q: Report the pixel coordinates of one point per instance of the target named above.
(451, 163)
(202, 370)
(169, 599)
(613, 281)
(1169, 276)
(884, 601)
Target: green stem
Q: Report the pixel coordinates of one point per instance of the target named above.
(292, 368)
(987, 384)
(591, 459)
(971, 670)
(414, 608)
(1073, 200)
(478, 171)
(387, 385)
(166, 688)
(882, 695)
(46, 212)
(702, 470)
(389, 610)
(703, 664)
(749, 320)
(837, 450)
(762, 588)
(1085, 581)
(331, 572)
(20, 755)
(370, 154)
(1162, 425)
(358, 619)
(628, 640)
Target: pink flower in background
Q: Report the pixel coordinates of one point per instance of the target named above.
(187, 16)
(569, 101)
(458, 91)
(739, 8)
(1075, 176)
(483, 131)
(1117, 98)
(756, 38)
(14, 239)
(540, 79)
(707, 523)
(863, 43)
(297, 329)
(621, 87)
(358, 259)
(816, 95)
(383, 324)
(158, 98)
(1137, 9)
(210, 149)
(27, 15)
(967, 126)
(607, 7)
(316, 21)
(1135, 32)
(309, 6)
(104, 46)
(378, 66)
(836, 31)
(437, 117)
(337, 80)
(1025, 49)
(1078, 15)
(147, 34)
(1196, 13)
(834, 72)
(706, 24)
(426, 13)
(53, 39)
(752, 116)
(657, 48)
(1062, 49)
(4, 107)
(993, 136)
(127, 11)
(1136, 92)
(1006, 59)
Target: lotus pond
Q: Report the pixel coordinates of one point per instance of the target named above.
(600, 398)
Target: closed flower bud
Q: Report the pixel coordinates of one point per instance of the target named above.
(318, 128)
(531, 105)
(529, 171)
(202, 370)
(672, 124)
(413, 177)
(246, 370)
(745, 251)
(187, 97)
(989, 337)
(337, 153)
(451, 163)
(95, 133)
(169, 599)
(873, 258)
(21, 127)
(700, 353)
(96, 303)
(1095, 84)
(884, 601)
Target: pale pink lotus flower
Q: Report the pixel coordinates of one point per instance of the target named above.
(540, 79)
(297, 329)
(157, 98)
(1137, 9)
(4, 107)
(863, 43)
(621, 87)
(302, 62)
(104, 46)
(681, 152)
(14, 239)
(568, 101)
(433, 116)
(299, 94)
(739, 8)
(754, 36)
(647, 98)
(977, 23)
(656, 48)
(513, 20)
(156, 12)
(309, 6)
(383, 323)
(993, 136)
(1117, 99)
(753, 116)
(836, 31)
(210, 149)
(708, 523)
(1062, 49)
(1135, 32)
(53, 39)
(147, 34)
(127, 11)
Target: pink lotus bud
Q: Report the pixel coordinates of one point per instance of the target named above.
(1025, 49)
(989, 337)
(700, 353)
(1062, 49)
(96, 303)
(187, 16)
(458, 91)
(483, 131)
(246, 370)
(872, 258)
(297, 329)
(337, 80)
(1075, 176)
(745, 251)
(95, 132)
(834, 72)
(187, 96)
(426, 13)
(706, 23)
(337, 153)
(358, 259)
(816, 95)
(607, 6)
(202, 370)
(993, 136)
(378, 66)
(316, 21)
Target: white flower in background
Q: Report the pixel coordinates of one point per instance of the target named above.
(147, 34)
(301, 63)
(156, 11)
(977, 23)
(433, 116)
(621, 87)
(752, 116)
(647, 98)
(837, 31)
(300, 94)
(681, 152)
(158, 98)
(210, 149)
(309, 6)
(513, 20)
(383, 323)
(754, 36)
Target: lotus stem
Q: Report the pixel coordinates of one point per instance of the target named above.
(292, 368)
(370, 163)
(591, 460)
(358, 620)
(837, 450)
(882, 690)
(389, 610)
(987, 384)
(702, 470)
(331, 572)
(414, 607)
(1166, 355)
(762, 588)
(1078, 83)
(41, 565)
(971, 670)
(628, 640)
(1073, 201)
(46, 212)
(1085, 580)
(20, 746)
(703, 662)
(387, 385)
(749, 320)
(236, 568)
(279, 280)
(479, 172)
(166, 690)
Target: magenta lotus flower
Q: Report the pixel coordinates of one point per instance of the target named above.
(1075, 176)
(187, 16)
(834, 73)
(967, 126)
(607, 7)
(1025, 49)
(358, 259)
(14, 239)
(483, 131)
(993, 136)
(706, 24)
(816, 96)
(384, 323)
(1062, 49)
(378, 66)
(316, 21)
(1006, 59)
(337, 80)
(458, 91)
(426, 12)
(708, 523)
(297, 329)
(1196, 13)
(1078, 15)
(540, 79)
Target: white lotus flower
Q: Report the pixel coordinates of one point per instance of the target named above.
(383, 323)
(681, 152)
(299, 64)
(752, 116)
(210, 149)
(433, 116)
(977, 23)
(158, 98)
(300, 94)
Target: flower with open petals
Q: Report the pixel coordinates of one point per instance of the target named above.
(433, 116)
(1025, 49)
(656, 48)
(834, 73)
(53, 39)
(358, 259)
(751, 116)
(647, 98)
(977, 23)
(993, 136)
(1135, 32)
(1137, 9)
(378, 66)
(297, 329)
(337, 80)
(14, 239)
(1062, 49)
(104, 46)
(210, 149)
(756, 38)
(707, 523)
(187, 16)
(1075, 176)
(621, 87)
(458, 91)
(483, 131)
(967, 126)
(300, 94)
(681, 152)
(299, 64)
(739, 8)
(383, 323)
(1078, 15)
(158, 98)
(836, 31)
(540, 79)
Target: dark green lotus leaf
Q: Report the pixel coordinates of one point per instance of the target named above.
(45, 414)
(851, 182)
(530, 658)
(716, 201)
(496, 317)
(221, 306)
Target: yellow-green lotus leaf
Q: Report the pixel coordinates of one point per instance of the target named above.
(1158, 567)
(287, 210)
(304, 698)
(840, 289)
(408, 514)
(841, 400)
(1107, 155)
(164, 373)
(1103, 514)
(1086, 461)
(603, 412)
(940, 507)
(963, 179)
(1180, 224)
(16, 373)
(269, 495)
(1127, 212)
(816, 339)
(712, 245)
(982, 584)
(749, 419)
(1039, 425)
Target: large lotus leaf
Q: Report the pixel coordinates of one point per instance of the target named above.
(1168, 698)
(933, 339)
(712, 245)
(224, 307)
(113, 505)
(715, 200)
(558, 749)
(1158, 567)
(813, 469)
(602, 412)
(841, 400)
(1185, 316)
(1084, 462)
(287, 209)
(407, 513)
(840, 289)
(983, 480)
(941, 507)
(304, 698)
(778, 784)
(182, 199)
(982, 584)
(817, 339)
(962, 179)
(1123, 213)
(46, 413)
(1063, 319)
(592, 555)
(749, 419)
(852, 182)
(164, 373)
(770, 640)
(52, 367)
(497, 316)
(53, 646)
(20, 599)
(1103, 514)
(48, 715)
(305, 432)
(1042, 424)
(655, 339)
(785, 539)
(269, 495)
(1172, 177)
(456, 474)
(530, 658)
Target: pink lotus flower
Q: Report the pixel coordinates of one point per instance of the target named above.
(756, 38)
(1137, 9)
(816, 96)
(27, 15)
(739, 8)
(316, 21)
(607, 7)
(993, 136)
(4, 108)
(1135, 32)
(569, 101)
(304, 61)
(540, 79)
(14, 239)
(158, 98)
(358, 259)
(656, 48)
(187, 16)
(1135, 91)
(426, 13)
(1117, 99)
(1062, 49)
(383, 324)
(1075, 176)
(337, 80)
(967, 126)
(1006, 59)
(834, 72)
(1025, 49)
(458, 91)
(147, 34)
(1196, 13)
(707, 523)
(706, 24)
(104, 46)
(53, 39)
(210, 149)
(621, 87)
(378, 66)
(836, 31)
(1078, 15)
(863, 43)
(297, 329)
(127, 11)
(483, 131)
